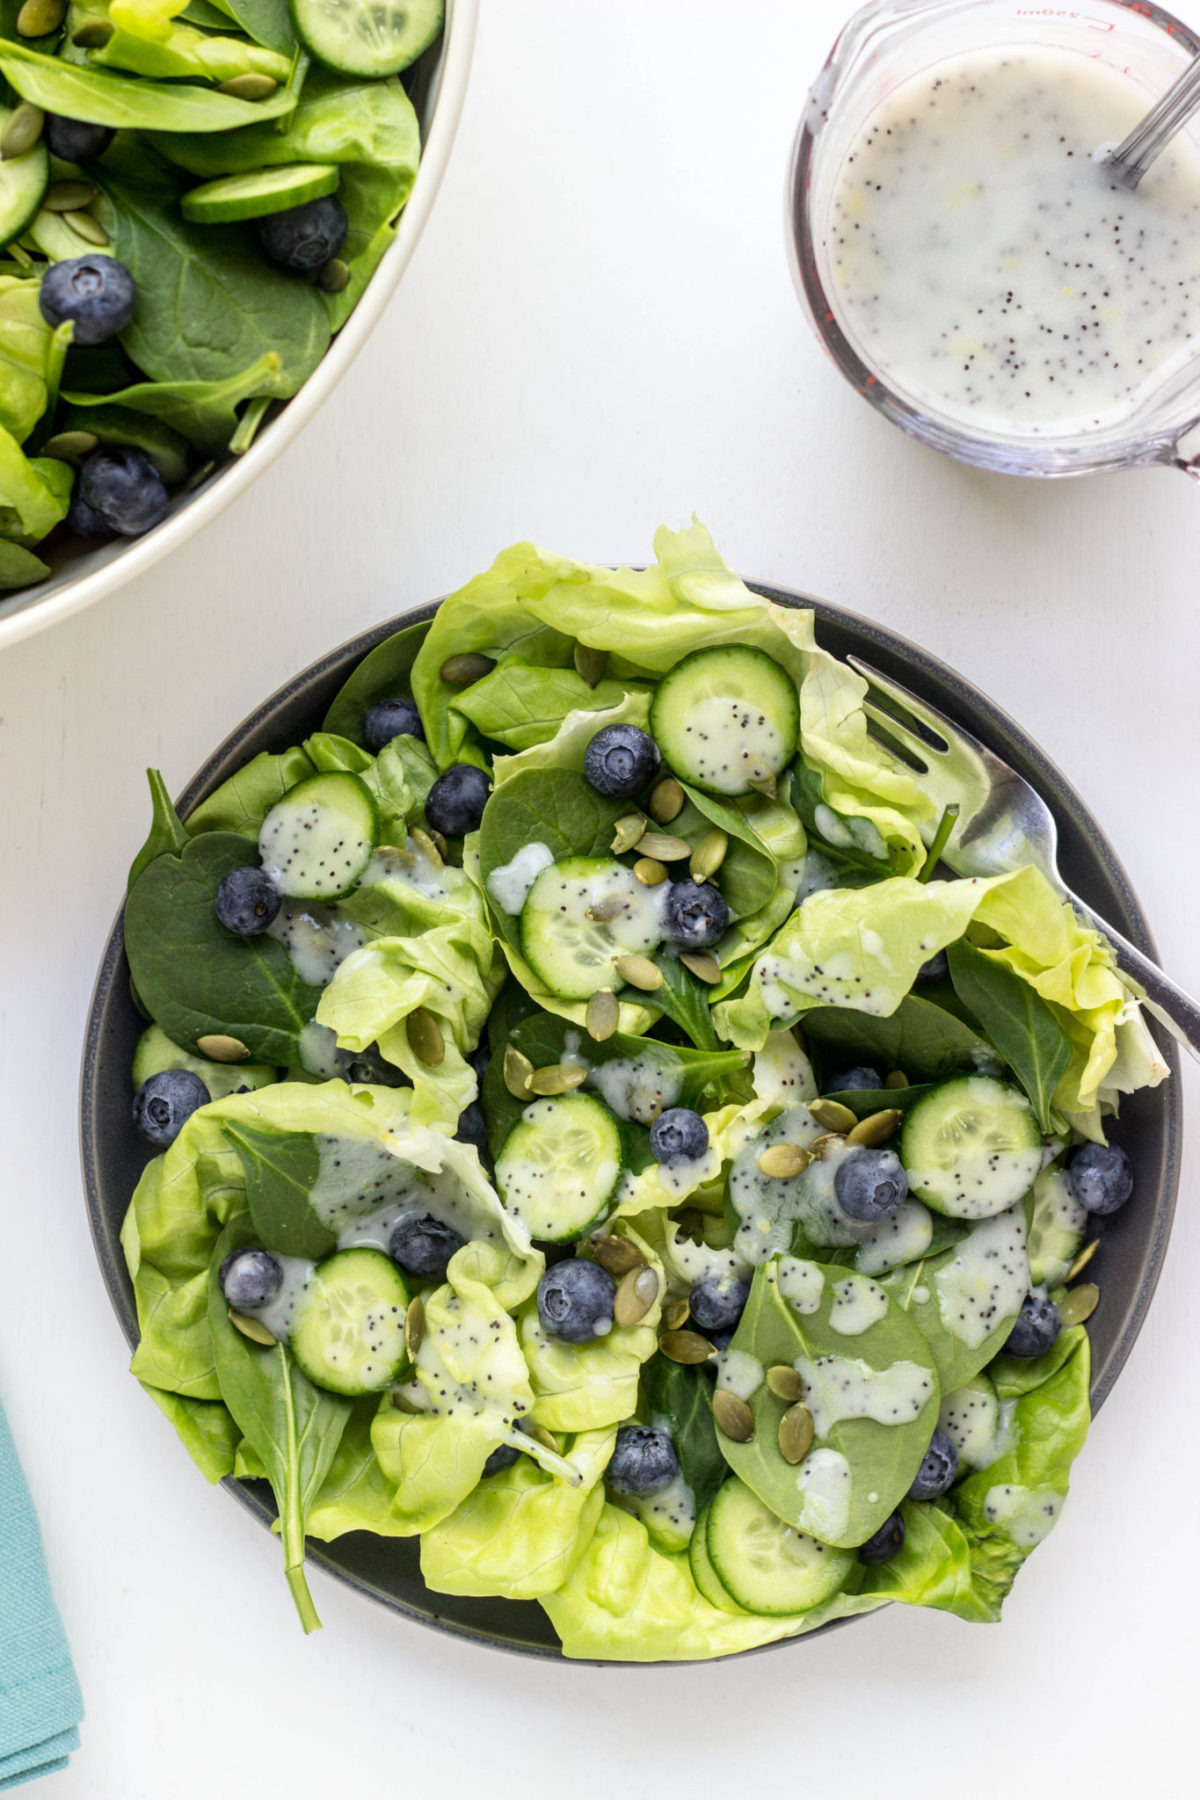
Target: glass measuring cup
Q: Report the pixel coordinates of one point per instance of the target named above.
(886, 44)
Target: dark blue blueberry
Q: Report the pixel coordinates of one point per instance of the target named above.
(936, 969)
(855, 1081)
(678, 1135)
(457, 799)
(887, 1542)
(389, 719)
(164, 1103)
(250, 1277)
(503, 1457)
(472, 1126)
(643, 1461)
(123, 488)
(247, 901)
(870, 1184)
(423, 1245)
(718, 1302)
(1101, 1177)
(1036, 1329)
(73, 140)
(621, 760)
(84, 522)
(575, 1300)
(480, 1058)
(720, 1340)
(97, 293)
(938, 1470)
(694, 914)
(304, 237)
(369, 1068)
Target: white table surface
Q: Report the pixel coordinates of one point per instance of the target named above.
(598, 334)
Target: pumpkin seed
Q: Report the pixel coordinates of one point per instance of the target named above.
(545, 1438)
(662, 845)
(649, 870)
(685, 1347)
(702, 964)
(425, 1038)
(464, 670)
(38, 18)
(617, 1255)
(93, 34)
(518, 1071)
(22, 129)
(833, 1115)
(219, 1048)
(605, 908)
(763, 784)
(414, 1325)
(667, 801)
(70, 446)
(675, 1314)
(333, 277)
(603, 1014)
(732, 1416)
(87, 227)
(254, 1329)
(438, 842)
(784, 1382)
(590, 663)
(876, 1128)
(896, 1079)
(1079, 1304)
(424, 842)
(1085, 1255)
(639, 972)
(68, 196)
(628, 833)
(403, 1403)
(250, 86)
(708, 855)
(795, 1433)
(820, 1147)
(558, 1078)
(782, 1161)
(636, 1293)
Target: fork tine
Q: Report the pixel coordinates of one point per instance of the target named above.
(896, 737)
(934, 722)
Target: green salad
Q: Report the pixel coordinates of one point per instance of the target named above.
(193, 197)
(596, 1135)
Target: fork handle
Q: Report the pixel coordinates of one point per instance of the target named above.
(1169, 1004)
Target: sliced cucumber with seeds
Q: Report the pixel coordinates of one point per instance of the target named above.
(348, 1330)
(708, 1582)
(317, 841)
(726, 718)
(561, 1166)
(972, 1147)
(768, 1567)
(579, 916)
(156, 1052)
(23, 181)
(259, 192)
(166, 448)
(367, 37)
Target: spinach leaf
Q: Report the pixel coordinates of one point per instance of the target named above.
(19, 567)
(292, 1427)
(545, 806)
(268, 22)
(204, 412)
(381, 675)
(992, 1279)
(683, 998)
(1021, 1025)
(280, 1170)
(193, 975)
(521, 704)
(167, 836)
(748, 876)
(243, 802)
(925, 1041)
(865, 1101)
(683, 1397)
(102, 99)
(373, 198)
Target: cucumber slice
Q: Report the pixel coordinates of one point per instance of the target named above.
(23, 181)
(166, 448)
(767, 1566)
(972, 1147)
(258, 192)
(726, 718)
(1056, 1230)
(573, 954)
(155, 1052)
(367, 37)
(348, 1331)
(708, 1582)
(317, 841)
(560, 1167)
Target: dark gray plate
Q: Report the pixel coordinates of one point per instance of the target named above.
(1133, 1244)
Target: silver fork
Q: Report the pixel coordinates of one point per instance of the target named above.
(1002, 824)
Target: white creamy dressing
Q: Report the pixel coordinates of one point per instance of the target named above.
(278, 1313)
(317, 938)
(509, 885)
(986, 265)
(739, 1373)
(731, 742)
(903, 1237)
(639, 1087)
(691, 1263)
(823, 1479)
(672, 1510)
(319, 1050)
(808, 874)
(987, 1278)
(362, 1191)
(857, 1305)
(413, 866)
(770, 1206)
(837, 980)
(1027, 1515)
(801, 1283)
(850, 833)
(783, 1075)
(841, 1387)
(981, 1427)
(604, 915)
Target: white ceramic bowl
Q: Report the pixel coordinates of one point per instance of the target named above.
(81, 580)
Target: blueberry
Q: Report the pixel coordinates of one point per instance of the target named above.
(251, 1277)
(369, 1068)
(870, 1184)
(502, 1457)
(423, 1245)
(472, 1126)
(1036, 1329)
(936, 969)
(855, 1081)
(456, 800)
(938, 1470)
(304, 237)
(73, 140)
(389, 719)
(84, 522)
(1101, 1177)
(165, 1102)
(247, 901)
(575, 1300)
(621, 760)
(123, 488)
(643, 1461)
(694, 914)
(887, 1542)
(97, 293)
(678, 1135)
(718, 1302)
(479, 1059)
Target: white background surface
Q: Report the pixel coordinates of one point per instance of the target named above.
(598, 334)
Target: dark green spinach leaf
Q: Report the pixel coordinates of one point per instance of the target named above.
(684, 998)
(554, 807)
(1021, 1025)
(925, 1041)
(280, 1169)
(747, 876)
(381, 675)
(683, 1397)
(167, 836)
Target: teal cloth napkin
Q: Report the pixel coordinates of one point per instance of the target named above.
(40, 1703)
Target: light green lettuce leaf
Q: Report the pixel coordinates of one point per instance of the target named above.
(522, 705)
(25, 351)
(399, 777)
(35, 492)
(206, 1431)
(581, 1387)
(355, 1495)
(565, 750)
